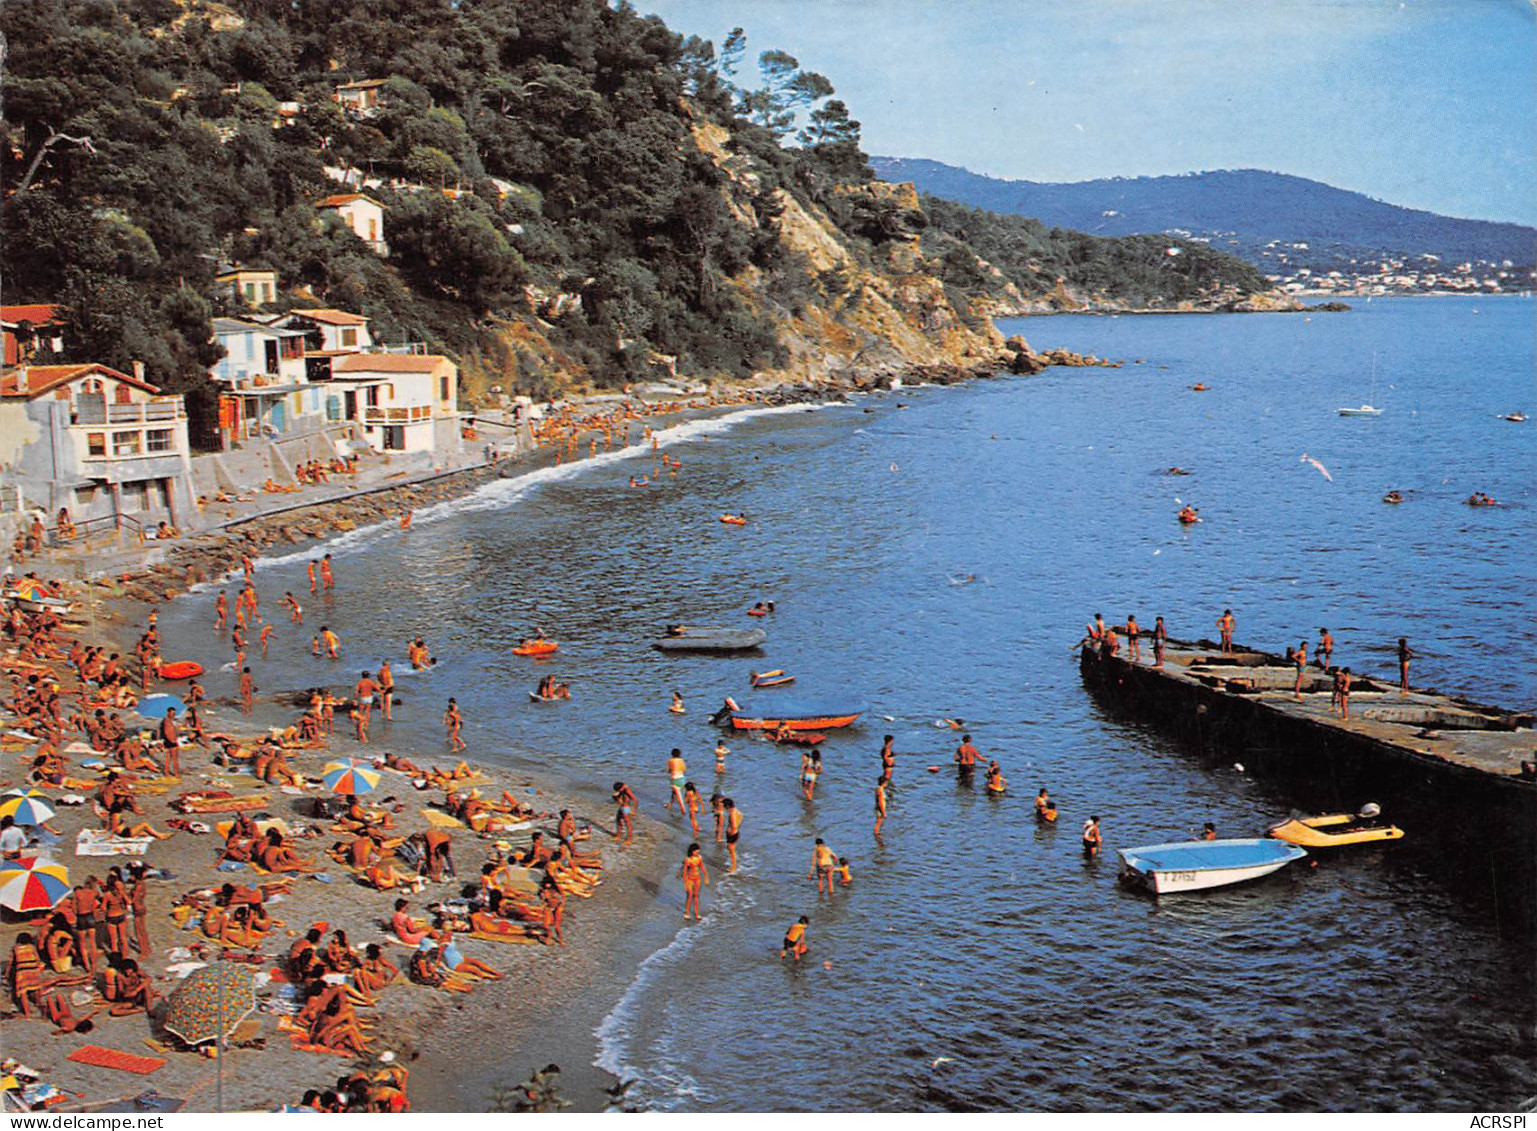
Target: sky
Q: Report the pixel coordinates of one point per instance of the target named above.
(1425, 103)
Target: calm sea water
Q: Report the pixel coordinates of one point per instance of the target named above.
(977, 961)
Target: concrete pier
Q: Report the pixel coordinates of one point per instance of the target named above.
(1458, 775)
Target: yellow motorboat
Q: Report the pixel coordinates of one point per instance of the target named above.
(1337, 830)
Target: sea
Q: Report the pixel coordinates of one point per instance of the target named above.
(934, 553)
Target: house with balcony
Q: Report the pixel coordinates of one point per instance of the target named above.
(404, 402)
(363, 214)
(328, 334)
(253, 286)
(104, 444)
(264, 386)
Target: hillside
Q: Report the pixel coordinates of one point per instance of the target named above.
(1258, 215)
(573, 196)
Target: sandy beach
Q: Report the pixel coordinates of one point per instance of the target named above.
(552, 998)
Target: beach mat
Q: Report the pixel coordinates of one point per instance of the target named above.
(100, 1057)
(520, 940)
(99, 842)
(221, 804)
(439, 820)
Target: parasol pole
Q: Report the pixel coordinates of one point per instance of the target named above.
(219, 1049)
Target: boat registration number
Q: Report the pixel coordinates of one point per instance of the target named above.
(1178, 877)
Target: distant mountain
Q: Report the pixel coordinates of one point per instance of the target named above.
(1254, 214)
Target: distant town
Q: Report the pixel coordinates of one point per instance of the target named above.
(1283, 262)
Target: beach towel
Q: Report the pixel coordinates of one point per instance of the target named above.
(518, 939)
(192, 803)
(77, 748)
(100, 842)
(101, 1057)
(440, 820)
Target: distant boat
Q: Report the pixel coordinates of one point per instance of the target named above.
(1516, 417)
(690, 639)
(1366, 409)
(1196, 865)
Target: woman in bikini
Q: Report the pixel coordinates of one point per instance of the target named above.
(695, 875)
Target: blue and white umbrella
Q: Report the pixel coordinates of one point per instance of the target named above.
(156, 706)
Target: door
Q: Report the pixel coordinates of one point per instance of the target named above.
(350, 400)
(279, 416)
(272, 356)
(394, 438)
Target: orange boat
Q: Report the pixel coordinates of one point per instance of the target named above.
(791, 716)
(733, 520)
(536, 648)
(181, 669)
(1197, 388)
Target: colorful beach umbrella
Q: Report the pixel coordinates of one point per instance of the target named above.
(350, 777)
(30, 588)
(32, 885)
(156, 706)
(210, 1002)
(30, 808)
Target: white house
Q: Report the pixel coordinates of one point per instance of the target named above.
(102, 443)
(404, 402)
(328, 332)
(265, 390)
(361, 97)
(363, 214)
(254, 286)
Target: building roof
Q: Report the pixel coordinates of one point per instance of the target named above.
(242, 326)
(332, 317)
(342, 198)
(386, 363)
(34, 380)
(231, 272)
(362, 84)
(37, 313)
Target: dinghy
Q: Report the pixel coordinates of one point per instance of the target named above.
(797, 716)
(688, 639)
(1337, 830)
(1196, 865)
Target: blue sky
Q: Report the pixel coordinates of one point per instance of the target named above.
(1426, 104)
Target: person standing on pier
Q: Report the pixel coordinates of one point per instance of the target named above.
(1160, 638)
(1325, 648)
(1133, 633)
(1404, 656)
(1225, 625)
(1345, 693)
(1300, 658)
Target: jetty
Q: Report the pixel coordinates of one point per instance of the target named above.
(1461, 775)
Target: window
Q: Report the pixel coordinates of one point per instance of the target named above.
(96, 443)
(127, 443)
(250, 292)
(93, 386)
(135, 496)
(443, 387)
(350, 336)
(266, 292)
(123, 395)
(158, 440)
(371, 395)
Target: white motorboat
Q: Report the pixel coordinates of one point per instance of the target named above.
(1196, 865)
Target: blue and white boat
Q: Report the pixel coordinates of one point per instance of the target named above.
(1194, 865)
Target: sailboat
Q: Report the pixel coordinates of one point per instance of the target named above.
(1366, 409)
